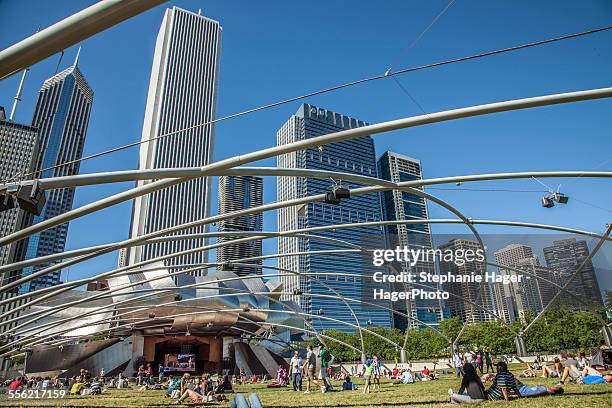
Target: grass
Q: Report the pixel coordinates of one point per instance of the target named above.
(424, 394)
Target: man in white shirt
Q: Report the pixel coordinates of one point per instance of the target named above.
(295, 371)
(458, 363)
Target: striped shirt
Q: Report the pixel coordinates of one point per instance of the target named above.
(503, 380)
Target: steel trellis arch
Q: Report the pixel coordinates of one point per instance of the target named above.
(316, 142)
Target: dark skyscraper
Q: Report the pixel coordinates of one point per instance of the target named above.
(240, 193)
(61, 116)
(467, 296)
(403, 205)
(564, 257)
(18, 152)
(355, 156)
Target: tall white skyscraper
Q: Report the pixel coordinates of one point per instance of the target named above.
(182, 94)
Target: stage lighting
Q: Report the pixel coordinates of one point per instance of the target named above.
(330, 198)
(337, 194)
(341, 192)
(31, 198)
(547, 202)
(560, 198)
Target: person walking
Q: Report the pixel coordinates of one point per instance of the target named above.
(369, 370)
(489, 361)
(309, 366)
(325, 360)
(376, 372)
(295, 371)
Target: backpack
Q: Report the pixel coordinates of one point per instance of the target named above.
(326, 356)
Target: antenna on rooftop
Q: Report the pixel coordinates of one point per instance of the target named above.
(76, 60)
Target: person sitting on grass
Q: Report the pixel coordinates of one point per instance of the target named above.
(172, 385)
(554, 372)
(471, 390)
(282, 379)
(16, 384)
(528, 372)
(186, 383)
(570, 370)
(395, 373)
(591, 376)
(348, 385)
(197, 398)
(583, 362)
(504, 385)
(96, 387)
(405, 377)
(425, 375)
(77, 387)
(224, 386)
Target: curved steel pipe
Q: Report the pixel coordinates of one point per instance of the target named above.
(315, 142)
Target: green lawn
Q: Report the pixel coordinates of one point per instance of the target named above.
(430, 394)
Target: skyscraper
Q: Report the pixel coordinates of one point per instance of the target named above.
(564, 257)
(402, 205)
(353, 156)
(18, 154)
(466, 297)
(61, 116)
(182, 95)
(537, 291)
(530, 294)
(240, 193)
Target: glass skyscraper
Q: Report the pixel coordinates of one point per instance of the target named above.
(182, 98)
(240, 193)
(61, 116)
(351, 156)
(402, 205)
(564, 257)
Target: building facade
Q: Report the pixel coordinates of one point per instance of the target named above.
(345, 273)
(18, 154)
(535, 288)
(62, 117)
(238, 193)
(181, 100)
(565, 257)
(403, 205)
(470, 301)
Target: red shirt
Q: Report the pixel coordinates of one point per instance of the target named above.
(15, 385)
(426, 371)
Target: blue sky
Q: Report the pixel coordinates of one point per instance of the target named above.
(278, 49)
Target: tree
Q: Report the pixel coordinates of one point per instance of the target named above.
(451, 327)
